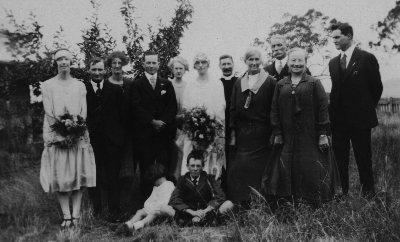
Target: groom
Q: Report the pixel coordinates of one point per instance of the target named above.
(154, 105)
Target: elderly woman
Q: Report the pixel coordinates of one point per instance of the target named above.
(207, 92)
(302, 164)
(250, 128)
(115, 62)
(178, 66)
(63, 169)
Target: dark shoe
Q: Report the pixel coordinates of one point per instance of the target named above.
(124, 230)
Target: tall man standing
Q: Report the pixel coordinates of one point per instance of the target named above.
(228, 80)
(154, 105)
(105, 125)
(356, 90)
(279, 68)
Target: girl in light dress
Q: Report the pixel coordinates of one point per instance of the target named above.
(207, 92)
(178, 66)
(162, 190)
(65, 170)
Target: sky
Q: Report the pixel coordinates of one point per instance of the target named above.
(218, 27)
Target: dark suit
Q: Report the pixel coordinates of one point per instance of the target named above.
(105, 125)
(186, 195)
(149, 104)
(355, 93)
(284, 72)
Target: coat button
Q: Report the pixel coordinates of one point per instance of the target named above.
(292, 92)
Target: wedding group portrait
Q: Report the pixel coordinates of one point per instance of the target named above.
(223, 121)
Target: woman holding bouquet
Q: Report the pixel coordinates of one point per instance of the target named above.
(178, 66)
(250, 128)
(208, 93)
(67, 163)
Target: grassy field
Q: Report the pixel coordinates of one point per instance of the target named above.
(29, 214)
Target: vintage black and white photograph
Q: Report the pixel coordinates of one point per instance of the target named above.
(199, 120)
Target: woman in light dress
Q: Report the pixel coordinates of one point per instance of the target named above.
(207, 92)
(65, 170)
(178, 66)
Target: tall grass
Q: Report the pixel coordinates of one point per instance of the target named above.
(29, 214)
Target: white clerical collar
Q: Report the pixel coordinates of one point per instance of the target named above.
(348, 52)
(283, 61)
(227, 77)
(149, 75)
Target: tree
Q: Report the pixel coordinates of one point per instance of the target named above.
(389, 31)
(308, 31)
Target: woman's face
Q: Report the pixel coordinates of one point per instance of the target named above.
(178, 70)
(116, 66)
(63, 59)
(201, 66)
(297, 62)
(253, 63)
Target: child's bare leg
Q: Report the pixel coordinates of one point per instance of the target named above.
(146, 221)
(140, 214)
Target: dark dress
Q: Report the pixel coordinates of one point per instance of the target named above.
(253, 132)
(299, 168)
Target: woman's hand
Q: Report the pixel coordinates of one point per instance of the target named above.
(323, 142)
(232, 140)
(278, 141)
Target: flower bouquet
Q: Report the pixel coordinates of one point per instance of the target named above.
(70, 127)
(201, 129)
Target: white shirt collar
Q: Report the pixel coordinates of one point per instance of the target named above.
(348, 52)
(227, 77)
(94, 84)
(149, 76)
(198, 178)
(284, 61)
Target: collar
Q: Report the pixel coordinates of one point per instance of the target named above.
(198, 178)
(348, 52)
(149, 76)
(284, 61)
(260, 80)
(227, 77)
(94, 84)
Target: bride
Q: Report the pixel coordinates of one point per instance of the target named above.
(207, 92)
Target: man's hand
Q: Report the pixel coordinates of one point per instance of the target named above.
(323, 143)
(158, 125)
(199, 213)
(278, 141)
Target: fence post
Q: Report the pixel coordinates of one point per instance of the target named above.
(391, 105)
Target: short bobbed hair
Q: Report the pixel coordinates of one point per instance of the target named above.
(297, 49)
(196, 155)
(180, 60)
(155, 172)
(344, 28)
(252, 51)
(200, 56)
(117, 54)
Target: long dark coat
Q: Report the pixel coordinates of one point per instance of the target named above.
(299, 168)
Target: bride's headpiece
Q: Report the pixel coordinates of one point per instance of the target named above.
(200, 57)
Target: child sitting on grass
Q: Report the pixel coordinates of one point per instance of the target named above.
(161, 194)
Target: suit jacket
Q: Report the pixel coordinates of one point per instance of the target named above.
(356, 91)
(109, 117)
(284, 73)
(149, 104)
(207, 193)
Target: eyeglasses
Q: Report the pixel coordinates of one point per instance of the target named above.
(203, 62)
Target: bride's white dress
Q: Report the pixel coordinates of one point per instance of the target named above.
(210, 95)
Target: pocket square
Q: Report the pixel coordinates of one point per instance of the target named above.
(163, 92)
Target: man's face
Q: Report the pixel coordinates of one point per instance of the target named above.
(151, 64)
(341, 41)
(279, 48)
(226, 66)
(195, 167)
(97, 71)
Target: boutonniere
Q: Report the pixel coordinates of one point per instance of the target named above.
(163, 92)
(355, 73)
(353, 64)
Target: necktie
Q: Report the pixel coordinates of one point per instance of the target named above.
(343, 62)
(195, 182)
(153, 82)
(280, 67)
(98, 92)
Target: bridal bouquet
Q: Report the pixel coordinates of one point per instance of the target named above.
(70, 127)
(201, 128)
